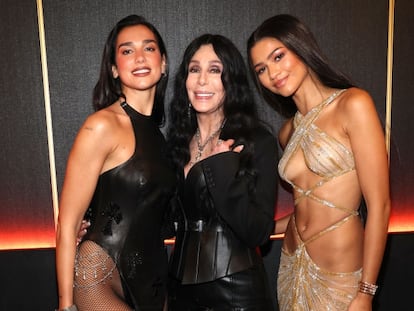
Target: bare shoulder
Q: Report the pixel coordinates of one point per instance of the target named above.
(357, 109)
(285, 132)
(102, 123)
(100, 132)
(354, 101)
(101, 120)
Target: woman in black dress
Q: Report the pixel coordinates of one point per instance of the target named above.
(118, 175)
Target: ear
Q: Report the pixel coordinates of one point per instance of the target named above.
(163, 65)
(115, 72)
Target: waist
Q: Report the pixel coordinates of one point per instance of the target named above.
(202, 226)
(206, 253)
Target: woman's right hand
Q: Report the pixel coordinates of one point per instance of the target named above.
(226, 145)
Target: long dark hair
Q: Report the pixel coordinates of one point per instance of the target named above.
(108, 89)
(298, 38)
(238, 106)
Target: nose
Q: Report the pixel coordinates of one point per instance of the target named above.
(273, 71)
(203, 78)
(139, 57)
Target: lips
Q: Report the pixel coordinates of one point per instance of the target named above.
(280, 82)
(203, 95)
(141, 71)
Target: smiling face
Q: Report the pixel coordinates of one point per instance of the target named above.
(139, 63)
(204, 85)
(278, 69)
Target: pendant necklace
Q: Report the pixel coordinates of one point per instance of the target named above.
(200, 147)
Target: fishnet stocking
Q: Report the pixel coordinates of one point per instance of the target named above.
(97, 281)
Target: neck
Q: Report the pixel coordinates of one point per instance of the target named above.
(309, 97)
(201, 144)
(207, 125)
(141, 101)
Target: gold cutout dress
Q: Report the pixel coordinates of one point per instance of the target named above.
(302, 285)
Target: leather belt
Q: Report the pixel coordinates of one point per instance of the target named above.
(201, 225)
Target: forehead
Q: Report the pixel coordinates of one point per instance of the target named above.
(135, 33)
(205, 53)
(264, 46)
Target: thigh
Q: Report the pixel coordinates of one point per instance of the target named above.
(244, 291)
(97, 284)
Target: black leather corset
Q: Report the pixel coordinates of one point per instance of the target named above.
(206, 248)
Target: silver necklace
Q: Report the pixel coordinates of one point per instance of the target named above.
(200, 146)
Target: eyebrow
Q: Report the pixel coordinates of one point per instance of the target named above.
(129, 43)
(211, 62)
(268, 56)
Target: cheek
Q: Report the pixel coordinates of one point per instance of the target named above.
(264, 80)
(291, 63)
(220, 87)
(121, 63)
(156, 61)
(188, 83)
(218, 84)
(188, 87)
(222, 95)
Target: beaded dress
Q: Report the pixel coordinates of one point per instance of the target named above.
(302, 285)
(126, 213)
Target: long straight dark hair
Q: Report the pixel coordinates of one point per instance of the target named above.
(239, 106)
(108, 89)
(298, 38)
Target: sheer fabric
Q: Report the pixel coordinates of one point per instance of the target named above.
(303, 286)
(97, 285)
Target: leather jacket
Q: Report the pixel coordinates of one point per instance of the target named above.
(222, 218)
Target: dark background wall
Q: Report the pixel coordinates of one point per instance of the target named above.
(353, 34)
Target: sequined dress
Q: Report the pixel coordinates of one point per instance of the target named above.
(302, 285)
(126, 215)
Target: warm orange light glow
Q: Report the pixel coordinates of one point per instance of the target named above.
(25, 239)
(401, 220)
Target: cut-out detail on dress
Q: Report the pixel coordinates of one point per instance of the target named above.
(323, 154)
(302, 285)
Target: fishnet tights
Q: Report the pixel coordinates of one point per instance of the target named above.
(97, 281)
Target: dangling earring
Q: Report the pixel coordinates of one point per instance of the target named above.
(189, 111)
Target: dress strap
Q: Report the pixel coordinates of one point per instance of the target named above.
(320, 233)
(309, 194)
(301, 124)
(132, 113)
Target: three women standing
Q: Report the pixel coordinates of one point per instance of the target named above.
(334, 154)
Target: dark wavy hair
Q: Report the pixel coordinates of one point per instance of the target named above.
(108, 89)
(297, 37)
(238, 105)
